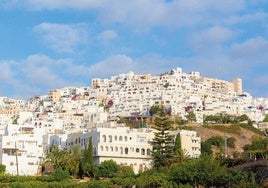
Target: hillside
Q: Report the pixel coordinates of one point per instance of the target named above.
(242, 136)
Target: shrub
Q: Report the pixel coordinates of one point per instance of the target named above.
(60, 175)
(231, 142)
(99, 184)
(2, 168)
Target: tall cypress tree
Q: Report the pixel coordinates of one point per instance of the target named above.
(87, 162)
(163, 142)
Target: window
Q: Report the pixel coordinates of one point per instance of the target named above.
(137, 150)
(101, 148)
(121, 150)
(143, 151)
(106, 148)
(111, 148)
(125, 138)
(30, 163)
(115, 138)
(126, 150)
(104, 138)
(148, 151)
(120, 138)
(110, 138)
(116, 149)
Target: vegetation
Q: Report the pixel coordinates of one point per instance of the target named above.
(265, 118)
(226, 119)
(191, 117)
(258, 149)
(172, 167)
(87, 165)
(163, 142)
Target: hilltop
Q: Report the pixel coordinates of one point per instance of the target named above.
(243, 136)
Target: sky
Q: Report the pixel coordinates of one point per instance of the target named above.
(50, 44)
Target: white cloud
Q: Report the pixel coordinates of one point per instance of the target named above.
(36, 5)
(107, 36)
(62, 37)
(210, 39)
(112, 66)
(255, 48)
(6, 75)
(37, 74)
(144, 13)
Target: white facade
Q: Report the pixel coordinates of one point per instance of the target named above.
(21, 151)
(190, 143)
(131, 147)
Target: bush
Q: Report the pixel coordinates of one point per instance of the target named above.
(231, 142)
(2, 168)
(216, 141)
(99, 184)
(60, 175)
(108, 169)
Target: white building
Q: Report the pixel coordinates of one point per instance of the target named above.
(190, 142)
(131, 147)
(21, 150)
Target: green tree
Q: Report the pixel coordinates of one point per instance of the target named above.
(163, 142)
(57, 158)
(155, 178)
(73, 161)
(87, 161)
(2, 169)
(191, 117)
(216, 141)
(179, 154)
(125, 177)
(108, 169)
(210, 172)
(231, 142)
(184, 173)
(206, 148)
(60, 175)
(258, 148)
(265, 118)
(156, 110)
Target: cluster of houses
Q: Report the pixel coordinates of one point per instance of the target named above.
(68, 117)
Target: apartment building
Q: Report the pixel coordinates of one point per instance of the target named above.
(131, 147)
(137, 93)
(21, 150)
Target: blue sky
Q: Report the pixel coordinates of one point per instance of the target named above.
(48, 44)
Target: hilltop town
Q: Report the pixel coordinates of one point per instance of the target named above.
(69, 116)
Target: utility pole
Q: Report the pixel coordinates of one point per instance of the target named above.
(225, 146)
(17, 164)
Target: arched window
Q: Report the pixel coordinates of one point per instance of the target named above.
(110, 138)
(121, 150)
(126, 150)
(106, 148)
(148, 152)
(120, 138)
(104, 138)
(143, 151)
(111, 148)
(101, 148)
(125, 138)
(116, 149)
(115, 138)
